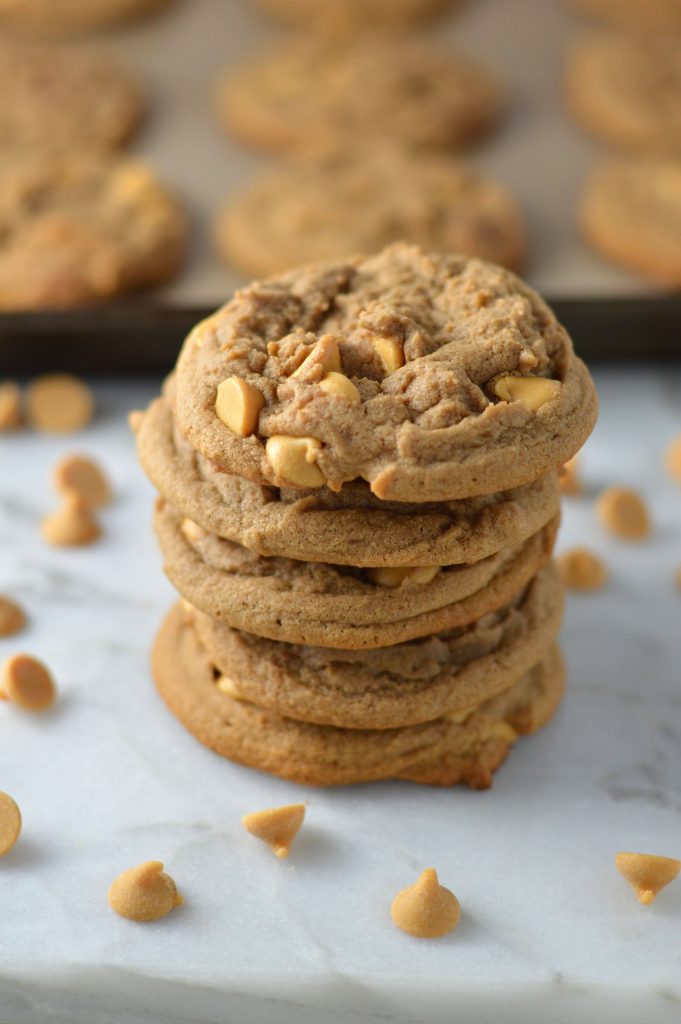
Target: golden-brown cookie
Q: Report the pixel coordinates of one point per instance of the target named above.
(72, 17)
(334, 14)
(442, 752)
(637, 16)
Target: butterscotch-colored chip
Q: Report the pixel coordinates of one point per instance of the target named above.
(672, 459)
(569, 479)
(10, 405)
(533, 392)
(76, 474)
(228, 686)
(394, 575)
(292, 459)
(144, 893)
(276, 826)
(390, 353)
(426, 909)
(27, 683)
(338, 384)
(238, 405)
(72, 525)
(10, 823)
(59, 403)
(324, 358)
(192, 530)
(647, 873)
(624, 513)
(12, 617)
(581, 569)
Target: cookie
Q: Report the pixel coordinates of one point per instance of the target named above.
(387, 687)
(311, 14)
(336, 606)
(646, 16)
(72, 17)
(440, 752)
(351, 527)
(631, 214)
(64, 100)
(436, 349)
(75, 231)
(333, 205)
(307, 91)
(626, 90)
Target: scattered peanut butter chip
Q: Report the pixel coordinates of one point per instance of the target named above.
(59, 403)
(191, 530)
(581, 569)
(27, 683)
(72, 525)
(238, 405)
(135, 417)
(76, 474)
(394, 575)
(390, 353)
(647, 873)
(10, 405)
(10, 823)
(277, 826)
(12, 617)
(325, 356)
(292, 459)
(624, 513)
(144, 893)
(338, 384)
(672, 459)
(426, 909)
(569, 479)
(533, 392)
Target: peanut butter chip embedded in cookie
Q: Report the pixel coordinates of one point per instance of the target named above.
(533, 392)
(27, 683)
(293, 460)
(580, 569)
(12, 617)
(647, 873)
(277, 826)
(623, 512)
(76, 474)
(144, 893)
(10, 823)
(390, 353)
(72, 525)
(238, 405)
(426, 909)
(394, 576)
(59, 404)
(324, 358)
(338, 384)
(10, 405)
(672, 459)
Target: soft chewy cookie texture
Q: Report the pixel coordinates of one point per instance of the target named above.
(432, 377)
(442, 752)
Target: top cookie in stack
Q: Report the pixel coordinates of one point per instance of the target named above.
(357, 464)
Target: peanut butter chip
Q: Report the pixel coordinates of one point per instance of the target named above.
(277, 826)
(76, 474)
(27, 683)
(324, 355)
(12, 618)
(646, 873)
(192, 531)
(10, 823)
(144, 893)
(390, 353)
(72, 525)
(533, 392)
(426, 909)
(569, 479)
(292, 459)
(395, 575)
(672, 459)
(59, 403)
(10, 405)
(624, 513)
(339, 384)
(238, 405)
(581, 569)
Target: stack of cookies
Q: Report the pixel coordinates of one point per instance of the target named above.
(357, 464)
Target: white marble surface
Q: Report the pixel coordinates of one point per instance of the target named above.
(549, 931)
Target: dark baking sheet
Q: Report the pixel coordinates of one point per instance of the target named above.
(135, 339)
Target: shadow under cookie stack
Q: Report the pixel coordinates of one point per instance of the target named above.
(357, 465)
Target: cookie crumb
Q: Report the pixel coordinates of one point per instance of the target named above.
(569, 478)
(672, 459)
(647, 873)
(12, 617)
(10, 405)
(277, 826)
(624, 513)
(426, 909)
(10, 823)
(580, 569)
(59, 403)
(72, 525)
(77, 474)
(27, 683)
(144, 893)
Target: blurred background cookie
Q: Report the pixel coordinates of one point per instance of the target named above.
(71, 17)
(635, 15)
(313, 13)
